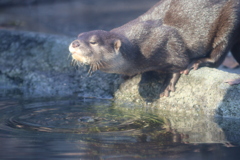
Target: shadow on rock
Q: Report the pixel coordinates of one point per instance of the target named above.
(151, 85)
(229, 106)
(227, 116)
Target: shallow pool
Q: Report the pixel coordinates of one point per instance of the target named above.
(99, 129)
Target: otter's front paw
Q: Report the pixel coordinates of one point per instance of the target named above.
(166, 92)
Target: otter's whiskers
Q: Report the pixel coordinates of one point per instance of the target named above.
(96, 66)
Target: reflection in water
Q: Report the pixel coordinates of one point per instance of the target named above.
(101, 130)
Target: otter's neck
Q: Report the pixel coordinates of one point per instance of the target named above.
(121, 65)
(127, 61)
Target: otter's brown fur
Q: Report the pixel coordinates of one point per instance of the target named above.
(173, 36)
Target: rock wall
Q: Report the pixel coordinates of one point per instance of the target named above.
(38, 65)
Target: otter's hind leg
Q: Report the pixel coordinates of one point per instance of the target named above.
(223, 37)
(214, 60)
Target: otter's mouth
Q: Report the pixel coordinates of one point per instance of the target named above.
(79, 60)
(76, 55)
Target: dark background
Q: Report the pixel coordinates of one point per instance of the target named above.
(69, 17)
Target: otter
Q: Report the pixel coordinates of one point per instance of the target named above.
(174, 36)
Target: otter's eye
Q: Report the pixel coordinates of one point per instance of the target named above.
(93, 43)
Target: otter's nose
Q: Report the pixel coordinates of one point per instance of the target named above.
(75, 44)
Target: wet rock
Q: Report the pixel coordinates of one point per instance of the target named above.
(201, 92)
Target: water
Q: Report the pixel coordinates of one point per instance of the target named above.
(94, 129)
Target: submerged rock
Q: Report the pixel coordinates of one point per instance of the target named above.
(37, 65)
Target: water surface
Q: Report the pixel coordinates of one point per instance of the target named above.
(98, 129)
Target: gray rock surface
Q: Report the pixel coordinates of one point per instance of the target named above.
(38, 65)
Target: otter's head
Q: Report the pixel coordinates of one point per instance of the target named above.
(96, 48)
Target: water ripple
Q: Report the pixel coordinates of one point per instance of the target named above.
(82, 118)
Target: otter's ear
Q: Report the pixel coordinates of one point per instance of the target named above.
(80, 35)
(117, 45)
